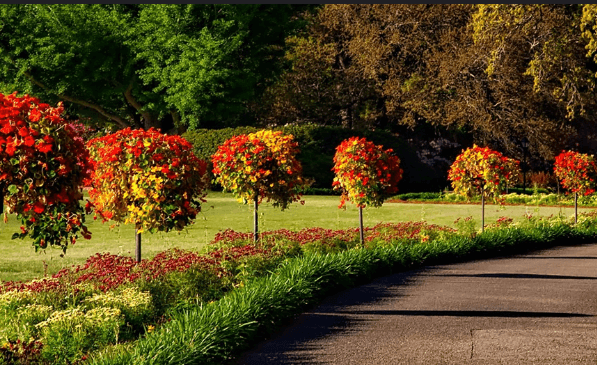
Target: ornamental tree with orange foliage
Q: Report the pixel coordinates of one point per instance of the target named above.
(43, 165)
(482, 171)
(146, 178)
(366, 174)
(260, 165)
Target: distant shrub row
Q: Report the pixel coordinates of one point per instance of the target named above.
(318, 145)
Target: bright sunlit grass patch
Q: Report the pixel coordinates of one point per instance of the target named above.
(19, 261)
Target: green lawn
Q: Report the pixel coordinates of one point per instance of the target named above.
(19, 261)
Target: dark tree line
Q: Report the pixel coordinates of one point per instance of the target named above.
(500, 72)
(496, 74)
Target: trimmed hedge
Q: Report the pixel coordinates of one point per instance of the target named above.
(217, 332)
(318, 146)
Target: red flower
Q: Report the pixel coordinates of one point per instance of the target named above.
(34, 115)
(29, 141)
(7, 129)
(24, 132)
(39, 207)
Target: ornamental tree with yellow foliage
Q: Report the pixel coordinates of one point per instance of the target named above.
(146, 178)
(260, 165)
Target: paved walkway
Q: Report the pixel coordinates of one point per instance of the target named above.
(539, 308)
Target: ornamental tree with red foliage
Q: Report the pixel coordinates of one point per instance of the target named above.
(483, 171)
(576, 171)
(366, 174)
(260, 165)
(146, 178)
(43, 165)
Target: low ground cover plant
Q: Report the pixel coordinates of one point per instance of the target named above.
(110, 299)
(536, 198)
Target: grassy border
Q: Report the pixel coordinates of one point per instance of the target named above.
(217, 332)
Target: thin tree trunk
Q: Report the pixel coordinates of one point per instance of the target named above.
(482, 210)
(361, 233)
(137, 245)
(256, 219)
(575, 208)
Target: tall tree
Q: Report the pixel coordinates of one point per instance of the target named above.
(532, 76)
(503, 72)
(371, 63)
(145, 65)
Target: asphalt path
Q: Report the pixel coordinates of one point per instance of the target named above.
(538, 308)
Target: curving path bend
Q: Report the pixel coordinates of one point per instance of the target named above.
(538, 308)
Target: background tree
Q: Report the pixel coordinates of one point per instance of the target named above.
(43, 165)
(147, 65)
(369, 64)
(366, 174)
(533, 77)
(260, 165)
(499, 73)
(148, 179)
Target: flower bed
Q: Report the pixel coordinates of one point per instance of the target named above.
(133, 298)
(111, 299)
(216, 333)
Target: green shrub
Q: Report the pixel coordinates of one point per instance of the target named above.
(20, 323)
(182, 288)
(136, 306)
(70, 334)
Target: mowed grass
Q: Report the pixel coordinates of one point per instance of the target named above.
(19, 261)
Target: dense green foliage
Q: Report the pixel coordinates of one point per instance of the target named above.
(148, 64)
(318, 146)
(492, 73)
(539, 197)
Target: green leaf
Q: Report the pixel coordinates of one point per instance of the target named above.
(15, 236)
(12, 189)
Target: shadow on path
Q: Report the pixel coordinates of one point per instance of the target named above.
(294, 340)
(498, 314)
(516, 276)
